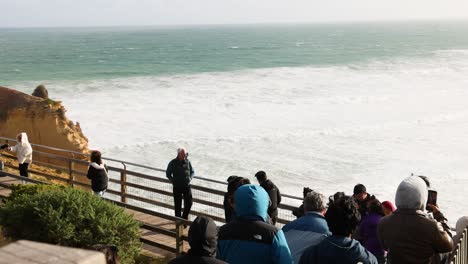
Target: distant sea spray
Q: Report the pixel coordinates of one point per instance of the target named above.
(320, 106)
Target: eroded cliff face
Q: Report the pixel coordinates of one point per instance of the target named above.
(43, 120)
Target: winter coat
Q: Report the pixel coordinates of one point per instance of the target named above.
(97, 173)
(409, 234)
(249, 239)
(337, 249)
(275, 197)
(202, 238)
(180, 173)
(229, 212)
(368, 234)
(23, 150)
(363, 204)
(304, 232)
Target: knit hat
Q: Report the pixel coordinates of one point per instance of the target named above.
(389, 206)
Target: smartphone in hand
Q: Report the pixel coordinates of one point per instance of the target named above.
(431, 199)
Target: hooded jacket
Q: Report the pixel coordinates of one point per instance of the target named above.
(23, 149)
(249, 239)
(304, 232)
(202, 238)
(97, 173)
(409, 234)
(338, 249)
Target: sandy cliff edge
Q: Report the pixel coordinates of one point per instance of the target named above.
(43, 120)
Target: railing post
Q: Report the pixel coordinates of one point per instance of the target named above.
(179, 241)
(123, 186)
(71, 178)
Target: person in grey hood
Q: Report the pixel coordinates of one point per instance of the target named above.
(409, 234)
(202, 238)
(23, 151)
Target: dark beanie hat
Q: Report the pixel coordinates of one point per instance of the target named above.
(261, 175)
(359, 188)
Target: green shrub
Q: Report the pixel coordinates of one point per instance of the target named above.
(69, 217)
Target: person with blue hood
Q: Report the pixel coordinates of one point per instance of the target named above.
(409, 234)
(342, 218)
(249, 238)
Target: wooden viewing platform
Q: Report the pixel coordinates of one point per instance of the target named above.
(144, 192)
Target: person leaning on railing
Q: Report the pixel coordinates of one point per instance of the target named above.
(97, 173)
(23, 151)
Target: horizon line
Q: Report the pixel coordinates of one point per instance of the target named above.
(181, 25)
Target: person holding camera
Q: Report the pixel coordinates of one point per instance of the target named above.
(180, 173)
(409, 234)
(23, 151)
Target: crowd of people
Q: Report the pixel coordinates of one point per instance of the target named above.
(344, 228)
(355, 228)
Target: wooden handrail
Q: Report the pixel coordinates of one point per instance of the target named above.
(210, 198)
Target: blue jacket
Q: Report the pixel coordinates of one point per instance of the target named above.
(304, 232)
(337, 249)
(249, 239)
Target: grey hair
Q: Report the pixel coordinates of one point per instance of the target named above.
(314, 202)
(180, 150)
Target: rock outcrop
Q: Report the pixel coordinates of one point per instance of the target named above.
(41, 92)
(43, 120)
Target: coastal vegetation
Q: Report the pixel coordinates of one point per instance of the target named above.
(69, 217)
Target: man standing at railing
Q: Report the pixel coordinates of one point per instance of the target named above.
(180, 172)
(273, 193)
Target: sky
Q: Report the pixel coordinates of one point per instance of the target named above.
(78, 13)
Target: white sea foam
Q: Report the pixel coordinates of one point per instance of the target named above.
(323, 127)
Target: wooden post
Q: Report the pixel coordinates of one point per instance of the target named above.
(179, 240)
(123, 186)
(70, 173)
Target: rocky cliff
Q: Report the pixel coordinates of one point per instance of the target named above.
(43, 120)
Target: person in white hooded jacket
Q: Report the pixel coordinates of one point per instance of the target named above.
(23, 152)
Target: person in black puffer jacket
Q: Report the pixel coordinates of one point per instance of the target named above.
(203, 240)
(97, 173)
(273, 192)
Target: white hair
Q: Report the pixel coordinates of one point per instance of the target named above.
(180, 150)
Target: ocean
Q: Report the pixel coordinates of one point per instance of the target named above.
(325, 106)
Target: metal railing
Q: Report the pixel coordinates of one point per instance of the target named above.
(460, 254)
(143, 189)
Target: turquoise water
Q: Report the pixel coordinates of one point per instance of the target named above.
(323, 106)
(101, 53)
